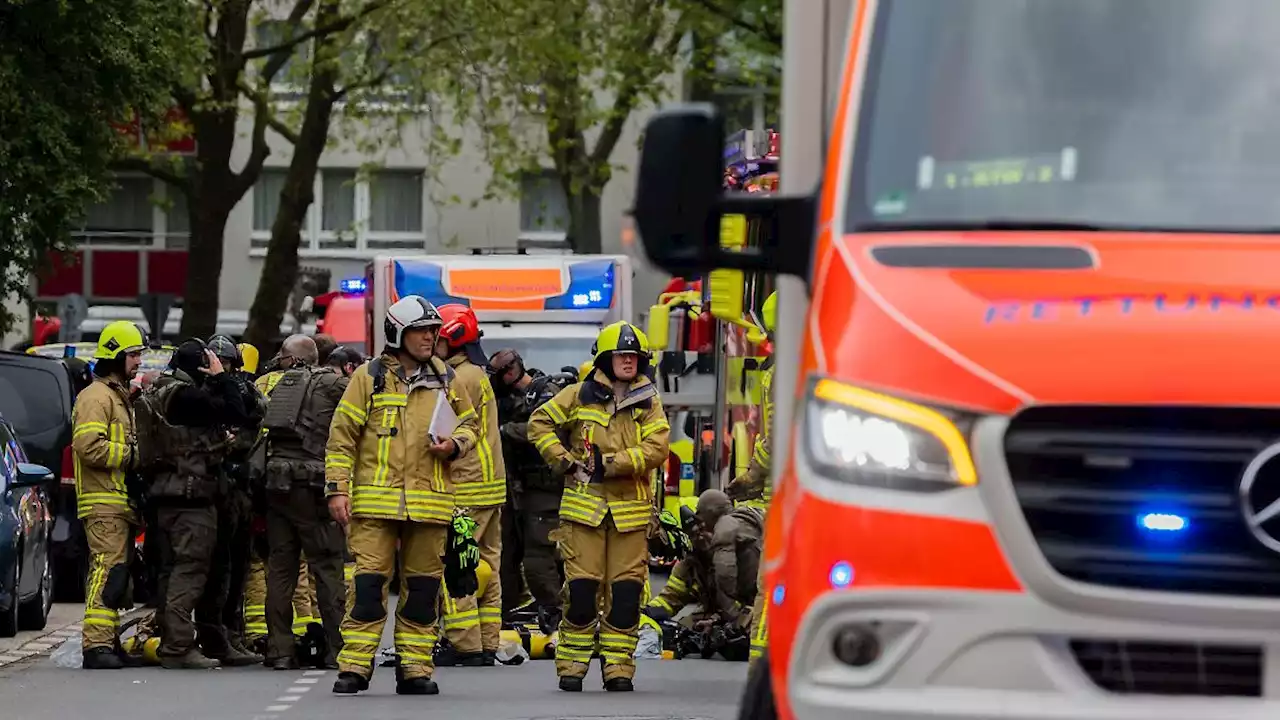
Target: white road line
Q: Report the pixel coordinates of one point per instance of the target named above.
(298, 689)
(315, 673)
(307, 680)
(288, 698)
(277, 708)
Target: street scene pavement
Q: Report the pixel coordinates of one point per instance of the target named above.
(35, 688)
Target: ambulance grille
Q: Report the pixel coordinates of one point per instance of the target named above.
(1086, 477)
(1151, 668)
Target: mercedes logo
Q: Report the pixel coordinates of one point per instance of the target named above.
(1260, 497)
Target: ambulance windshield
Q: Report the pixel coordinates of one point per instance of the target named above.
(1138, 114)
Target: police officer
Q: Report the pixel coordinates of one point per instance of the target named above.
(301, 408)
(387, 479)
(733, 538)
(104, 445)
(229, 574)
(534, 499)
(473, 625)
(753, 486)
(182, 421)
(615, 434)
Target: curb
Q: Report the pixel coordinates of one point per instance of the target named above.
(47, 643)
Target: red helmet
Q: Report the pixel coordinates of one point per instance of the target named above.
(460, 325)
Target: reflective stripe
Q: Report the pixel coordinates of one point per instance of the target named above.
(358, 415)
(598, 417)
(339, 460)
(555, 412)
(481, 494)
(648, 429)
(426, 505)
(760, 638)
(390, 400)
(490, 615)
(630, 514)
(583, 508)
(545, 441)
(356, 636)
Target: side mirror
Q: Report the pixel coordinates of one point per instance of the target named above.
(658, 327)
(680, 202)
(30, 475)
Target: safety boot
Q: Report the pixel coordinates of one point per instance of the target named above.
(489, 658)
(619, 684)
(349, 683)
(570, 684)
(232, 656)
(192, 660)
(415, 686)
(101, 658)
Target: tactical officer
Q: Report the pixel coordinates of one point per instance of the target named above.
(182, 421)
(473, 625)
(229, 574)
(104, 444)
(616, 434)
(534, 498)
(297, 422)
(753, 486)
(325, 344)
(344, 360)
(387, 479)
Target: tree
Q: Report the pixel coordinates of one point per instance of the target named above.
(393, 44)
(68, 70)
(212, 101)
(557, 80)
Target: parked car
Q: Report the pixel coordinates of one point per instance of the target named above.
(36, 396)
(26, 529)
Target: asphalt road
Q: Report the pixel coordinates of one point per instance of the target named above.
(36, 689)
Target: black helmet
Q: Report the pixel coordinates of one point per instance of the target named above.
(688, 518)
(227, 351)
(545, 387)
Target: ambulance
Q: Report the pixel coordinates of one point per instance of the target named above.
(1027, 443)
(549, 308)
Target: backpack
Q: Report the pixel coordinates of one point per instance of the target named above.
(150, 425)
(284, 410)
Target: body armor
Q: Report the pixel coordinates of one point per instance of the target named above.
(296, 437)
(184, 462)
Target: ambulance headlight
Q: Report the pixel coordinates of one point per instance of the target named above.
(866, 438)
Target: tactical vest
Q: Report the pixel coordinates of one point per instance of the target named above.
(523, 459)
(299, 429)
(184, 462)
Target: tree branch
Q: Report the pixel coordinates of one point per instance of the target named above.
(262, 109)
(628, 96)
(763, 29)
(336, 26)
(243, 181)
(142, 165)
(280, 56)
(381, 78)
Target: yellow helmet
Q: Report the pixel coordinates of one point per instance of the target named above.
(118, 338)
(769, 311)
(621, 336)
(483, 574)
(248, 358)
(584, 370)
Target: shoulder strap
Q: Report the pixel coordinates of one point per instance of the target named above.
(378, 372)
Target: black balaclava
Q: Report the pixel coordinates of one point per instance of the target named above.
(189, 357)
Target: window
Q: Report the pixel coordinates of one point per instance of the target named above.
(385, 210)
(270, 33)
(139, 212)
(544, 209)
(29, 400)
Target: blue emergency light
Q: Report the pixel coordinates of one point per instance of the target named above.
(1163, 522)
(353, 286)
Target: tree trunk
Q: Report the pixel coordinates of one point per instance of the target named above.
(280, 269)
(210, 202)
(585, 235)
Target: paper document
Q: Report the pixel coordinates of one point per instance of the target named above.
(443, 419)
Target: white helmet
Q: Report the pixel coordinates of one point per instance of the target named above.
(411, 311)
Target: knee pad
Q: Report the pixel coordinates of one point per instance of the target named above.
(624, 611)
(420, 605)
(368, 606)
(116, 588)
(582, 601)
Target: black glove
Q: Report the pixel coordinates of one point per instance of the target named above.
(597, 464)
(461, 558)
(655, 613)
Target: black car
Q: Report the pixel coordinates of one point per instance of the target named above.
(26, 528)
(36, 396)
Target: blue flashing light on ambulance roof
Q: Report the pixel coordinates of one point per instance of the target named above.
(352, 286)
(1162, 522)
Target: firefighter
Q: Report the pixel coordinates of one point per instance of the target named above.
(536, 492)
(754, 486)
(297, 423)
(387, 480)
(104, 448)
(182, 421)
(473, 625)
(616, 434)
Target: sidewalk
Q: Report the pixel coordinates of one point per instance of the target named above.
(64, 623)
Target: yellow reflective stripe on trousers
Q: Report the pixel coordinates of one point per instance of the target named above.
(490, 614)
(617, 648)
(630, 514)
(760, 638)
(481, 494)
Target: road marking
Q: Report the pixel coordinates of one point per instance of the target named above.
(307, 680)
(298, 689)
(288, 698)
(315, 673)
(277, 708)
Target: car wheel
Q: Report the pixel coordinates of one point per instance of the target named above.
(34, 614)
(757, 697)
(9, 617)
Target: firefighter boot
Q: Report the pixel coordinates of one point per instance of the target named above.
(415, 686)
(101, 658)
(619, 684)
(192, 660)
(570, 684)
(349, 683)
